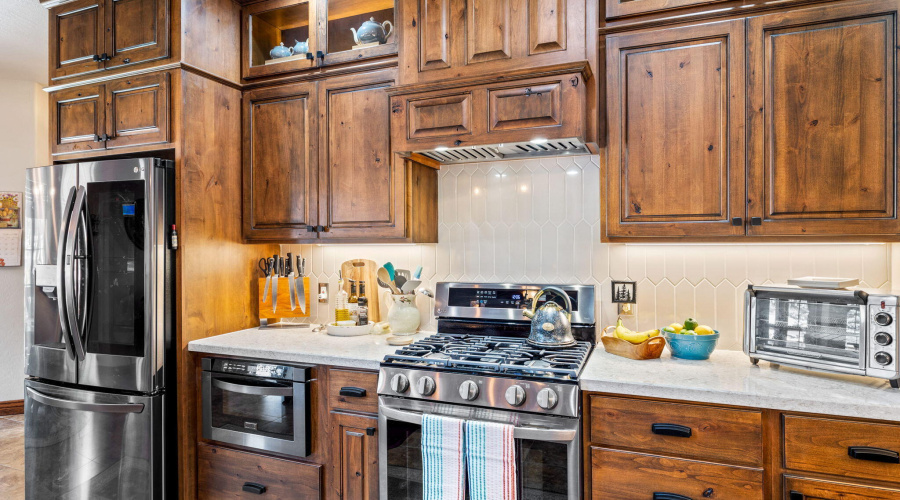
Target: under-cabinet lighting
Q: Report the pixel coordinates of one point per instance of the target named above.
(539, 140)
(441, 148)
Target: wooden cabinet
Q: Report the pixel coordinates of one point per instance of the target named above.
(121, 113)
(623, 8)
(462, 38)
(676, 145)
(354, 453)
(823, 145)
(92, 35)
(353, 390)
(813, 156)
(224, 473)
(796, 488)
(318, 166)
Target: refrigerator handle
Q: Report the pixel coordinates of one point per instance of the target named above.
(60, 273)
(69, 404)
(69, 289)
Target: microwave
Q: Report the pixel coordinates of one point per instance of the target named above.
(841, 331)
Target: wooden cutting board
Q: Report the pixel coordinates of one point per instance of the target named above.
(364, 270)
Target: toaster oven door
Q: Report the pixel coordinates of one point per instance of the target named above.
(809, 327)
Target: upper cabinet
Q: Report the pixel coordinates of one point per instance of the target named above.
(444, 39)
(293, 35)
(87, 36)
(812, 154)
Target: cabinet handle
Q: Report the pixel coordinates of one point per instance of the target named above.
(97, 138)
(796, 495)
(659, 495)
(874, 454)
(310, 56)
(737, 221)
(324, 229)
(370, 431)
(310, 229)
(101, 57)
(254, 488)
(353, 392)
(96, 58)
(320, 55)
(671, 430)
(755, 221)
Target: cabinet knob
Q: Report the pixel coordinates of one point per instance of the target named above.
(755, 221)
(370, 431)
(737, 221)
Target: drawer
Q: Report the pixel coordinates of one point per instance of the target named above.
(825, 446)
(623, 475)
(350, 382)
(222, 474)
(693, 431)
(443, 116)
(796, 488)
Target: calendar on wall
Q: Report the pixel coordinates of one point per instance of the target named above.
(10, 229)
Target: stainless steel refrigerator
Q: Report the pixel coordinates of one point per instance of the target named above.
(99, 333)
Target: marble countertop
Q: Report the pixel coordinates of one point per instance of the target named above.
(729, 378)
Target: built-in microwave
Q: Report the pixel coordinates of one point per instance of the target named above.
(843, 330)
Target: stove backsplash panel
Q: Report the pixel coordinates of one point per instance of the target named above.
(538, 220)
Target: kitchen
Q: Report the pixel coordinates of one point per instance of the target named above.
(239, 190)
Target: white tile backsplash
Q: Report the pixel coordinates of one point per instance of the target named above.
(538, 220)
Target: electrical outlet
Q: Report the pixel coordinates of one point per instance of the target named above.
(627, 309)
(323, 293)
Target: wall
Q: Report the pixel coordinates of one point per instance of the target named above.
(539, 221)
(23, 143)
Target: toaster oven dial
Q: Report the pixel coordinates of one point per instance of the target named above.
(883, 319)
(883, 358)
(882, 338)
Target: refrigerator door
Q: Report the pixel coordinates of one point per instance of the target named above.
(91, 445)
(49, 196)
(120, 223)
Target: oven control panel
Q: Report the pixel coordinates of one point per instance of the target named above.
(258, 369)
(882, 337)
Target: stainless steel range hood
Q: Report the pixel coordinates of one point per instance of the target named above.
(507, 151)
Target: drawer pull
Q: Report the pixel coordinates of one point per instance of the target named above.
(874, 454)
(255, 488)
(796, 495)
(671, 430)
(659, 495)
(353, 392)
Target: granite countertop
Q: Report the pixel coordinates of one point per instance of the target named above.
(729, 378)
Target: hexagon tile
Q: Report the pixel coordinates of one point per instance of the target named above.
(538, 220)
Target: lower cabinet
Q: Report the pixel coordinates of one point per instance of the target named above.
(354, 454)
(230, 474)
(796, 488)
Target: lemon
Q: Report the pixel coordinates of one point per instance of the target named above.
(688, 332)
(675, 327)
(704, 330)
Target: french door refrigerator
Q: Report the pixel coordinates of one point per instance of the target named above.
(99, 392)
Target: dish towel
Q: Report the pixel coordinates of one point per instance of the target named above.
(491, 460)
(443, 461)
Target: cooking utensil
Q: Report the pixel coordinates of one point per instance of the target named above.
(384, 279)
(399, 280)
(410, 286)
(418, 274)
(265, 265)
(299, 286)
(391, 271)
(402, 272)
(551, 325)
(289, 269)
(275, 283)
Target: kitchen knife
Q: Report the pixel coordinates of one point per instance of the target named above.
(268, 284)
(275, 284)
(291, 286)
(301, 288)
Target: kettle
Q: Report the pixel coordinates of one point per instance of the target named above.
(371, 31)
(551, 325)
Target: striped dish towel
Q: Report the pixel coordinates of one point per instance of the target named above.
(443, 462)
(491, 460)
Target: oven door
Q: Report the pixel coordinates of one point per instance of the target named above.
(548, 451)
(812, 328)
(264, 414)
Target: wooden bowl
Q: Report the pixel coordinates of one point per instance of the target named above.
(651, 348)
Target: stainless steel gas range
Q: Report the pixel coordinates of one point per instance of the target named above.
(480, 367)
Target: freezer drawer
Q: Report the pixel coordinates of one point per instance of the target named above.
(92, 445)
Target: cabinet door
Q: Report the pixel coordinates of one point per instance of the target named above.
(796, 488)
(137, 31)
(280, 176)
(138, 110)
(362, 187)
(355, 456)
(823, 104)
(76, 36)
(77, 119)
(676, 141)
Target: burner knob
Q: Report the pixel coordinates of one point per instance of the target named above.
(425, 386)
(399, 383)
(547, 399)
(883, 319)
(468, 390)
(515, 395)
(883, 358)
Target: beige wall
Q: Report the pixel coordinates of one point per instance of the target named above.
(23, 144)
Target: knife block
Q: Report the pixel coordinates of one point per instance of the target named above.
(283, 305)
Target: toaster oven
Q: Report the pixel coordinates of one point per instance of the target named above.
(842, 331)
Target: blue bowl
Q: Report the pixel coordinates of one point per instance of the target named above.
(695, 347)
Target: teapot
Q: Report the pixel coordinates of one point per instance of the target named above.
(300, 47)
(371, 31)
(281, 51)
(551, 325)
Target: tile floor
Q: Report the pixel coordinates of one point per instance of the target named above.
(12, 457)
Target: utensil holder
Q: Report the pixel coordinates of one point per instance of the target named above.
(283, 306)
(651, 348)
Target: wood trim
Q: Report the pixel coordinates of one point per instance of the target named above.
(582, 67)
(15, 407)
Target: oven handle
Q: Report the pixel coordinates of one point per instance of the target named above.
(529, 433)
(253, 390)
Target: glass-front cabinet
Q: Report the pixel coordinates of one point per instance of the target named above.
(293, 35)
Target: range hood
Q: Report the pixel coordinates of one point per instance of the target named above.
(507, 151)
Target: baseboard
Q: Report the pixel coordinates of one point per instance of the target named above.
(12, 407)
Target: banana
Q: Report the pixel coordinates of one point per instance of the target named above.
(631, 336)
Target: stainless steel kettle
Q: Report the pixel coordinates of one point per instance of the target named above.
(551, 325)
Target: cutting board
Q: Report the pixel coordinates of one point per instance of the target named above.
(364, 270)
